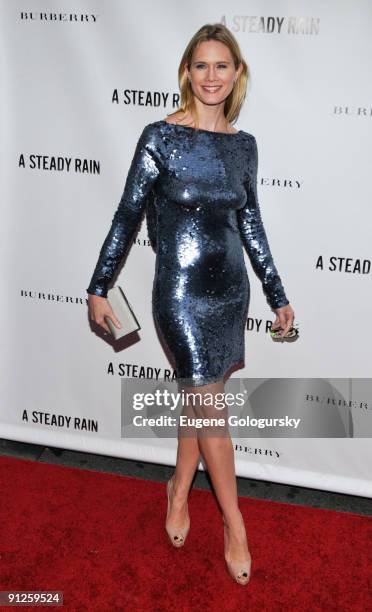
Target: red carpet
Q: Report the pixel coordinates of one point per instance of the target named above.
(100, 539)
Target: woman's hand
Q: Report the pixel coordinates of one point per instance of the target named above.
(284, 319)
(99, 308)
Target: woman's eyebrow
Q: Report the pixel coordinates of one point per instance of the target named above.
(217, 62)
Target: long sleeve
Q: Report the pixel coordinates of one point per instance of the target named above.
(254, 237)
(144, 170)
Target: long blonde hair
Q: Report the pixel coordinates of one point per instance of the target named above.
(234, 101)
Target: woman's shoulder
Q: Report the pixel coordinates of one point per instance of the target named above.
(177, 118)
(159, 127)
(151, 135)
(156, 132)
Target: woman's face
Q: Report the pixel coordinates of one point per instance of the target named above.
(212, 72)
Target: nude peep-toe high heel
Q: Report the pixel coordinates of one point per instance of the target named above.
(240, 571)
(176, 535)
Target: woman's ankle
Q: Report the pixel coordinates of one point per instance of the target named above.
(180, 489)
(234, 520)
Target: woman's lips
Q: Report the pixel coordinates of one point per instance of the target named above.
(212, 89)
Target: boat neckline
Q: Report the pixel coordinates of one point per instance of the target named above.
(187, 127)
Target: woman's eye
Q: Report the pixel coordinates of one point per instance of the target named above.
(218, 66)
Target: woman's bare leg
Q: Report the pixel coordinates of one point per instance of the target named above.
(188, 458)
(216, 447)
(218, 453)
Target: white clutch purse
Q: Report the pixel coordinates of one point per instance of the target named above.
(123, 312)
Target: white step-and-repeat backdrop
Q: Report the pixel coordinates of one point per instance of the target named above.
(78, 83)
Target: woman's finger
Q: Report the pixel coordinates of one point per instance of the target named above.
(114, 319)
(102, 323)
(283, 320)
(288, 323)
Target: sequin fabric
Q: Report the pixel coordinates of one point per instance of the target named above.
(199, 190)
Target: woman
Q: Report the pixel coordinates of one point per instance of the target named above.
(203, 174)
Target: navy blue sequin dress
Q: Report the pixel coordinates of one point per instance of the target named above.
(203, 188)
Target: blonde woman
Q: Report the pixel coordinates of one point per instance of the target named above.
(202, 174)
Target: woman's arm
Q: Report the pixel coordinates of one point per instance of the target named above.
(143, 172)
(254, 237)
